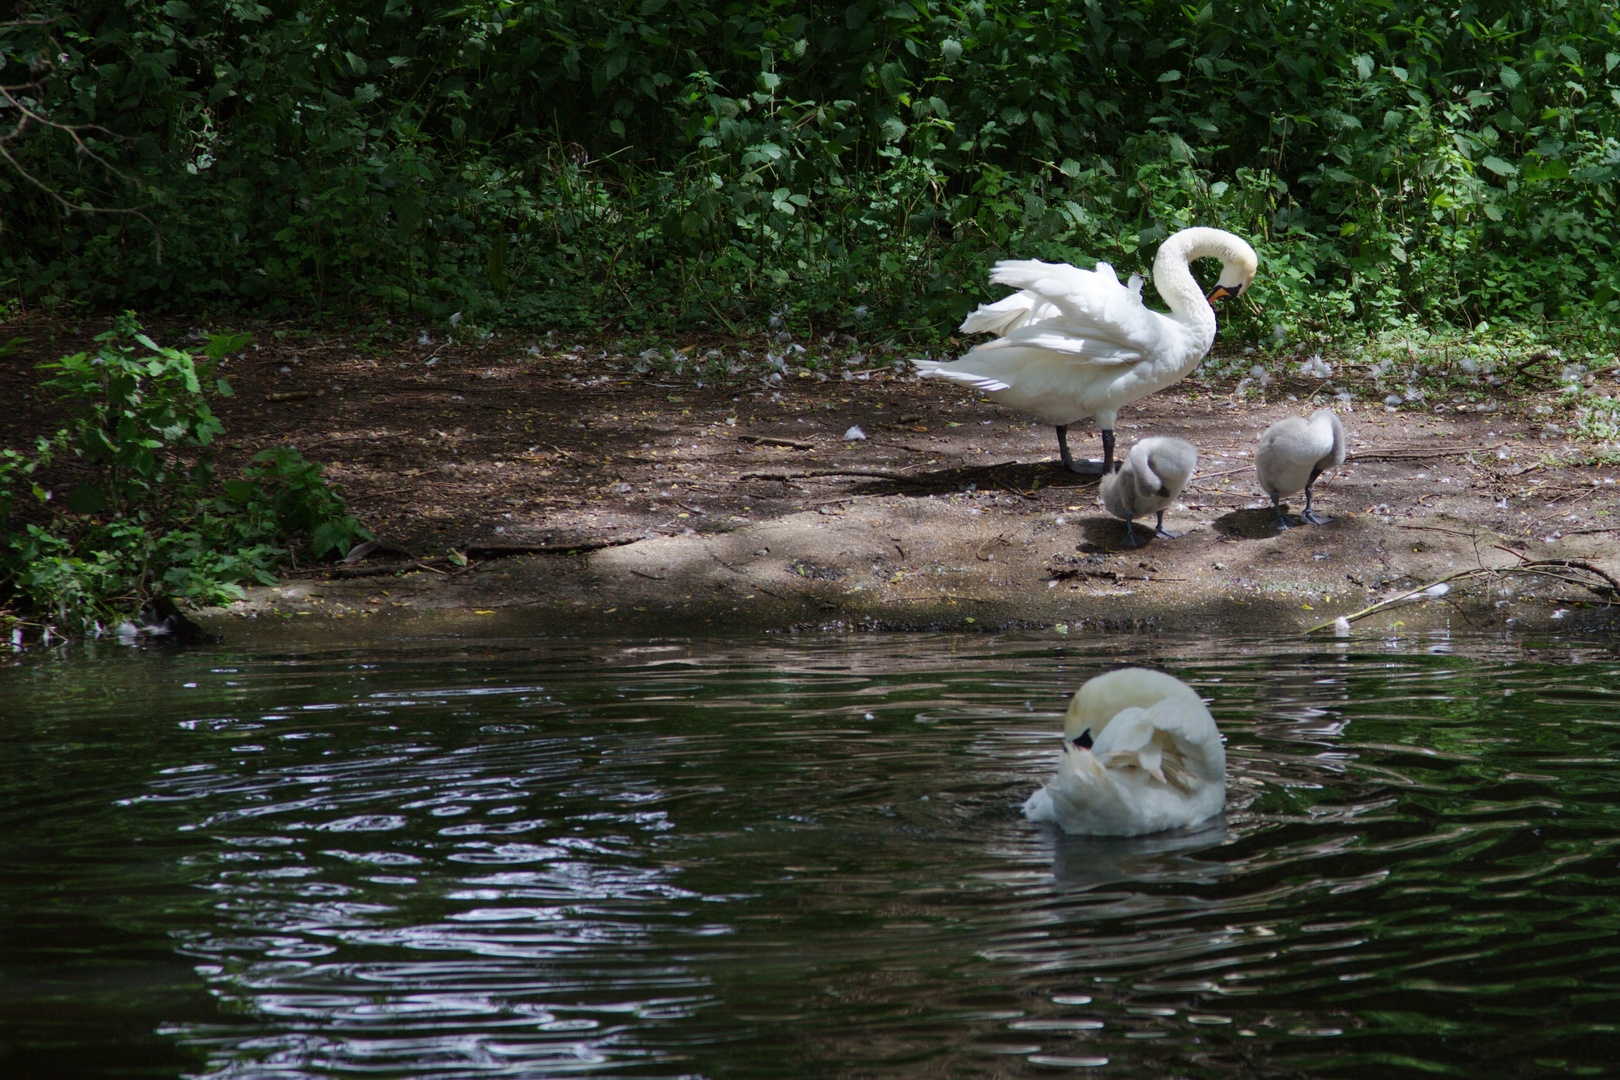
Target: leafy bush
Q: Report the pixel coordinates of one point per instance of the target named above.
(138, 517)
(665, 162)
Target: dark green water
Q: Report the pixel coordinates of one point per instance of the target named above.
(800, 857)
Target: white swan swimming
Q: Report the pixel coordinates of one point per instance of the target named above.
(1141, 754)
(1149, 479)
(1292, 453)
(1076, 343)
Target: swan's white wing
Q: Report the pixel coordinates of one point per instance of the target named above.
(1174, 743)
(1008, 313)
(1093, 304)
(1065, 337)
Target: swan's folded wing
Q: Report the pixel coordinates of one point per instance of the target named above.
(1008, 313)
(1174, 743)
(1093, 301)
(1065, 337)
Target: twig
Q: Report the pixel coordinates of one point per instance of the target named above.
(1392, 601)
(1532, 567)
(785, 478)
(998, 538)
(1436, 528)
(767, 440)
(307, 447)
(1401, 453)
(526, 549)
(1577, 564)
(1225, 472)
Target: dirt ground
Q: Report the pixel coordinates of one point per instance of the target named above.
(545, 481)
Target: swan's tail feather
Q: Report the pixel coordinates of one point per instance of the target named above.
(986, 383)
(1038, 807)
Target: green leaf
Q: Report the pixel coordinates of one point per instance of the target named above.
(1510, 78)
(1170, 76)
(1498, 166)
(951, 49)
(221, 345)
(893, 78)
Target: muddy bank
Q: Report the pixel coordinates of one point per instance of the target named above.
(551, 483)
(972, 562)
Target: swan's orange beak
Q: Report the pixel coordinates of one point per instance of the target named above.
(1223, 291)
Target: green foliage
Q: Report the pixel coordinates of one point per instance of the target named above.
(291, 495)
(138, 517)
(141, 413)
(665, 162)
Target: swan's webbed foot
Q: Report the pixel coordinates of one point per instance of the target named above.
(1130, 536)
(1163, 532)
(1311, 517)
(1281, 521)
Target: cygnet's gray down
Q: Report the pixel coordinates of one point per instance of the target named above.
(1292, 453)
(1149, 479)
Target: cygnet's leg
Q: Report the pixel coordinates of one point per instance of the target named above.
(1162, 531)
(1085, 468)
(1311, 517)
(1130, 535)
(1282, 522)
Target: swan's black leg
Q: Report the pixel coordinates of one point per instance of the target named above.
(1063, 447)
(1162, 531)
(1130, 535)
(1311, 516)
(1281, 522)
(1084, 468)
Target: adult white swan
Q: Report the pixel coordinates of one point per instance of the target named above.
(1076, 343)
(1140, 754)
(1292, 453)
(1150, 478)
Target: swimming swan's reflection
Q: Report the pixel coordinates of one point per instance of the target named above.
(1086, 862)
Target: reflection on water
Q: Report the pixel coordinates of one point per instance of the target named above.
(693, 859)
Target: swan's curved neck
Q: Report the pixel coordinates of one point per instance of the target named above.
(1176, 283)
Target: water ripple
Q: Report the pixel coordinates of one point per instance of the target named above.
(682, 859)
